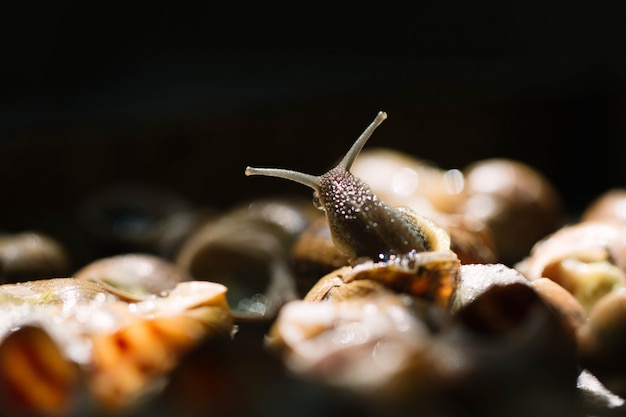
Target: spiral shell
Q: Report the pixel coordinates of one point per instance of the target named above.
(122, 350)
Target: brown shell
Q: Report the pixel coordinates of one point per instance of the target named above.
(357, 343)
(602, 342)
(401, 179)
(611, 205)
(333, 287)
(430, 276)
(512, 199)
(588, 259)
(564, 303)
(133, 276)
(32, 255)
(248, 249)
(314, 255)
(121, 350)
(36, 379)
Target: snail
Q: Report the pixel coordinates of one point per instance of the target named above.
(361, 224)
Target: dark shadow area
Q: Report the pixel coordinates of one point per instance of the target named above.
(184, 96)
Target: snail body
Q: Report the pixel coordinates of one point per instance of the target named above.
(362, 225)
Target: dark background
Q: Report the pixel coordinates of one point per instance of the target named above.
(185, 95)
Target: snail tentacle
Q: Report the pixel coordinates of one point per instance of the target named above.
(299, 177)
(313, 181)
(361, 225)
(350, 157)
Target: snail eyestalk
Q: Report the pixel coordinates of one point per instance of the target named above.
(361, 225)
(312, 180)
(299, 177)
(349, 158)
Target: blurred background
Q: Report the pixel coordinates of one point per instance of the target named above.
(183, 96)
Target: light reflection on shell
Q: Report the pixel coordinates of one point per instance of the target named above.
(31, 255)
(402, 180)
(499, 334)
(248, 250)
(88, 324)
(355, 343)
(431, 276)
(588, 259)
(132, 277)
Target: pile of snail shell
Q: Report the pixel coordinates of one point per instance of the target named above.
(405, 289)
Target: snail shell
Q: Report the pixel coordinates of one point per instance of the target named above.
(333, 287)
(367, 339)
(314, 255)
(32, 255)
(609, 205)
(134, 276)
(431, 275)
(603, 339)
(512, 199)
(476, 279)
(504, 341)
(30, 352)
(405, 181)
(124, 350)
(247, 249)
(401, 179)
(588, 259)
